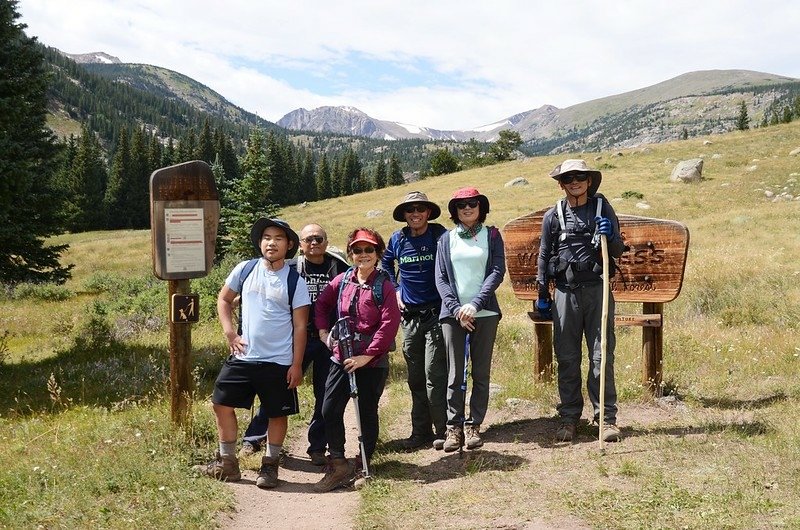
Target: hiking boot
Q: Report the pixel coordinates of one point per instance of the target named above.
(566, 432)
(318, 458)
(472, 438)
(268, 474)
(248, 449)
(224, 468)
(611, 433)
(415, 441)
(339, 474)
(454, 439)
(438, 441)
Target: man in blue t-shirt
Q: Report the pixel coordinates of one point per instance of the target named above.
(409, 260)
(266, 358)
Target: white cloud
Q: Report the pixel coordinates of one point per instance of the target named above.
(509, 55)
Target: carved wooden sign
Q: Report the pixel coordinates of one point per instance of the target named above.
(650, 270)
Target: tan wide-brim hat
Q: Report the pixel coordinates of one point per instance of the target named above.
(574, 165)
(415, 197)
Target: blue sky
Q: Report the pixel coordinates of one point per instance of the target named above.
(443, 64)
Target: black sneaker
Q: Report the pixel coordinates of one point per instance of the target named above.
(415, 441)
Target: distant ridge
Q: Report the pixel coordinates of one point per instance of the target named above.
(703, 102)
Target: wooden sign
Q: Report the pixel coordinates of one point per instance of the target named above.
(184, 215)
(650, 270)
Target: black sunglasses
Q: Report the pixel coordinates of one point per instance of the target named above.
(567, 179)
(313, 239)
(472, 203)
(361, 250)
(419, 208)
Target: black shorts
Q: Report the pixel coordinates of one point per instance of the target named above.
(240, 381)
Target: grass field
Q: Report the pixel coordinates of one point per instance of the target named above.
(85, 438)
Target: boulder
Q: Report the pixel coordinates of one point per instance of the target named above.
(688, 171)
(374, 213)
(794, 152)
(642, 205)
(708, 142)
(519, 181)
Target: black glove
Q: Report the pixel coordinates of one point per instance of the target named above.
(545, 308)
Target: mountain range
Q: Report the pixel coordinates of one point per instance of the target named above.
(704, 102)
(695, 103)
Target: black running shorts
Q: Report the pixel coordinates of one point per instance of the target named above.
(240, 381)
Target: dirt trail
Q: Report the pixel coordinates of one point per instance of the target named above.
(293, 504)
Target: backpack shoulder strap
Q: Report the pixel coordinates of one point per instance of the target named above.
(348, 274)
(561, 222)
(377, 287)
(292, 285)
(246, 270)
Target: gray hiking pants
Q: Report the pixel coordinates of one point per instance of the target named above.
(481, 346)
(576, 315)
(423, 349)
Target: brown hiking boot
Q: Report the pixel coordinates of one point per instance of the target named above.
(248, 449)
(472, 438)
(454, 439)
(566, 432)
(224, 468)
(268, 474)
(611, 433)
(438, 441)
(318, 458)
(339, 474)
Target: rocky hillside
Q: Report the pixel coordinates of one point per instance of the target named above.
(695, 103)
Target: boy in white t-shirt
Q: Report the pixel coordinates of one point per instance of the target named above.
(266, 359)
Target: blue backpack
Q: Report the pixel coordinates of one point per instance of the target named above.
(248, 268)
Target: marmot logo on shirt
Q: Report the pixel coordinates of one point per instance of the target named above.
(415, 259)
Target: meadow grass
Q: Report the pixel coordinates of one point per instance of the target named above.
(87, 442)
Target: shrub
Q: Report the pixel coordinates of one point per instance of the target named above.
(42, 291)
(632, 195)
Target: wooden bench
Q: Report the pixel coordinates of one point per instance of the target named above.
(650, 272)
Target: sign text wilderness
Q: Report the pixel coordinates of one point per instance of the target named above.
(650, 270)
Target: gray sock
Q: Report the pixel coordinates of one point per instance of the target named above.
(274, 451)
(227, 448)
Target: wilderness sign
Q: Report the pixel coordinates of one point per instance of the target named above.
(650, 271)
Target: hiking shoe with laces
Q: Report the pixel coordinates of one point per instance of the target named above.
(472, 438)
(248, 448)
(318, 458)
(566, 432)
(438, 441)
(268, 474)
(224, 468)
(454, 439)
(611, 433)
(339, 474)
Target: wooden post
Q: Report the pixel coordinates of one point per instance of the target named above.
(543, 364)
(652, 350)
(180, 347)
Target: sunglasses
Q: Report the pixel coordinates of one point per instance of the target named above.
(313, 239)
(419, 208)
(472, 203)
(567, 179)
(361, 250)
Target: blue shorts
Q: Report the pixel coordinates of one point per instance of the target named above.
(240, 381)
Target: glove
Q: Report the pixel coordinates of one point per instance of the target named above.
(467, 311)
(545, 308)
(604, 226)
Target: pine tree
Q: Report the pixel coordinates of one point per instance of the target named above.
(86, 186)
(250, 198)
(119, 178)
(29, 201)
(324, 179)
(380, 174)
(205, 144)
(395, 173)
(308, 185)
(137, 189)
(743, 121)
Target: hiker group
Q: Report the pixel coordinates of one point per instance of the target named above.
(439, 285)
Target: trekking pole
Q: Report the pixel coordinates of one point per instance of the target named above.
(464, 384)
(346, 348)
(603, 338)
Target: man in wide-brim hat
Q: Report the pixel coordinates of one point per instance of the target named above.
(410, 260)
(569, 257)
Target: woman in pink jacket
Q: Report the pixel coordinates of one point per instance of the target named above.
(374, 320)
